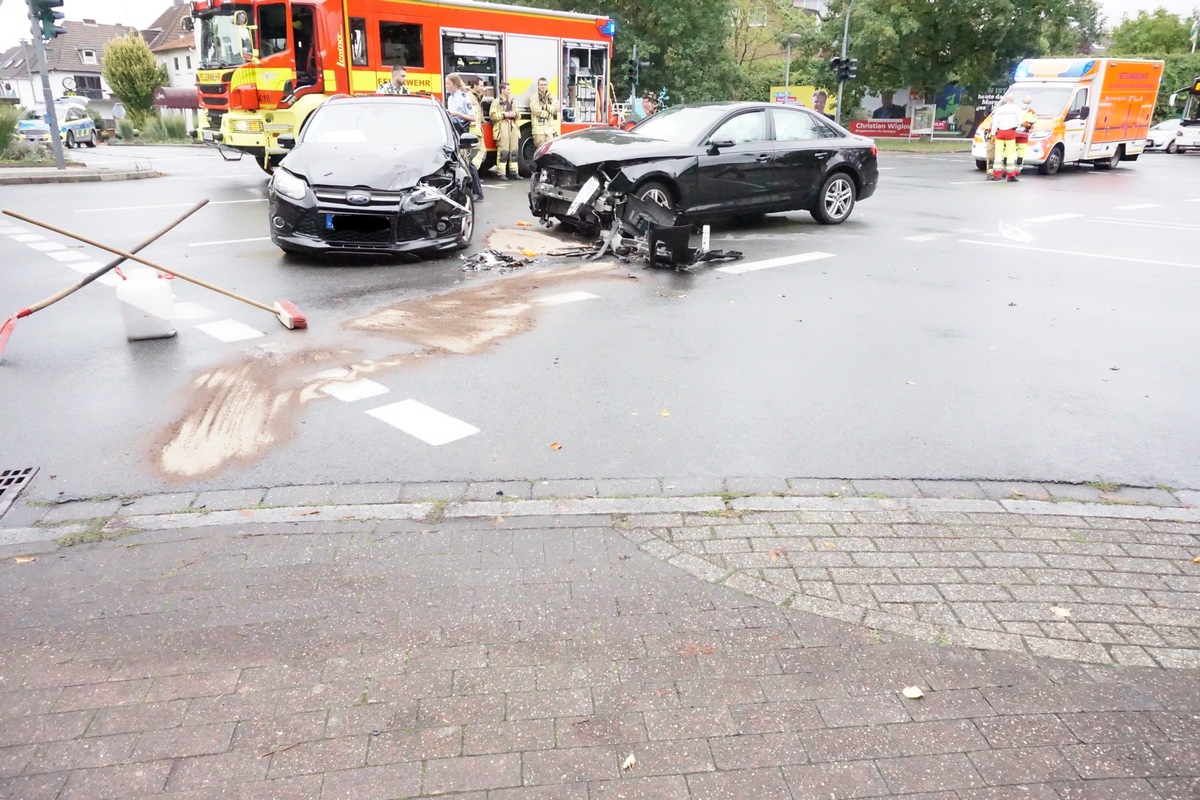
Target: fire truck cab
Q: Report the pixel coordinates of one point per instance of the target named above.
(266, 64)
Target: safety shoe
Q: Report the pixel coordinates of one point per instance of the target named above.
(1012, 178)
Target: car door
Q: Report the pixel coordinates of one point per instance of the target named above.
(1075, 125)
(802, 149)
(737, 175)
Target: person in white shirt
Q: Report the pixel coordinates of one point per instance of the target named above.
(1005, 121)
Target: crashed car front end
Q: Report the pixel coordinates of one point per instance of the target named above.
(579, 197)
(428, 216)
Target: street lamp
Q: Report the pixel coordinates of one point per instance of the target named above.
(787, 75)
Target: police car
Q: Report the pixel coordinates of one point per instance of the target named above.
(75, 126)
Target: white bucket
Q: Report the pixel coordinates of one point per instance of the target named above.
(147, 305)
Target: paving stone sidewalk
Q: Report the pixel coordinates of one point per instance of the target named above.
(527, 649)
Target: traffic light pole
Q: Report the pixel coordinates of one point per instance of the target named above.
(51, 115)
(837, 112)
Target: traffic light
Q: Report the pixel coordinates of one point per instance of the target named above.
(850, 67)
(631, 71)
(48, 15)
(835, 64)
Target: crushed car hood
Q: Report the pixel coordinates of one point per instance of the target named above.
(608, 144)
(388, 168)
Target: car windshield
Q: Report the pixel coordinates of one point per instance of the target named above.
(1047, 101)
(223, 44)
(378, 122)
(1171, 123)
(681, 124)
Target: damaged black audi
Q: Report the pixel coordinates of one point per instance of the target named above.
(705, 163)
(373, 174)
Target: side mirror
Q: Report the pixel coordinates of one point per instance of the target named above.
(189, 24)
(241, 19)
(466, 140)
(716, 145)
(1084, 112)
(287, 141)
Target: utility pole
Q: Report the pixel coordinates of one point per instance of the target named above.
(837, 113)
(35, 25)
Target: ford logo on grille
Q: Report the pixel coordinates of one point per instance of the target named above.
(358, 199)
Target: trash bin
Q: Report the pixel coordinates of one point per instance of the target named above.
(147, 305)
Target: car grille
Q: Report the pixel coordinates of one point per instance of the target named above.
(333, 201)
(404, 229)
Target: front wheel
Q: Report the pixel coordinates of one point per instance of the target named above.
(657, 193)
(468, 223)
(1053, 162)
(1172, 147)
(91, 142)
(70, 140)
(836, 200)
(981, 165)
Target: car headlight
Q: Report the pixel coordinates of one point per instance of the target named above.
(289, 185)
(1040, 135)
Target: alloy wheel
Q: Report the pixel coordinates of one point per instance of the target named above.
(839, 197)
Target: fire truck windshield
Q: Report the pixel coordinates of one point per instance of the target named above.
(223, 44)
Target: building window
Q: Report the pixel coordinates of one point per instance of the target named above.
(89, 86)
(188, 60)
(87, 56)
(400, 43)
(177, 63)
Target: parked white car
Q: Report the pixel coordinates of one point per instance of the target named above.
(1174, 135)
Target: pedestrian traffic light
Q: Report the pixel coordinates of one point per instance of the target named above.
(851, 67)
(47, 15)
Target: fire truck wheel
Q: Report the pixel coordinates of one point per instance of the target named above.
(525, 155)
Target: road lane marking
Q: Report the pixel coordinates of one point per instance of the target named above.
(753, 266)
(231, 241)
(46, 247)
(1137, 206)
(926, 237)
(230, 330)
(166, 205)
(1077, 253)
(68, 255)
(10, 230)
(1148, 223)
(28, 237)
(565, 297)
(427, 424)
(1052, 218)
(353, 391)
(186, 310)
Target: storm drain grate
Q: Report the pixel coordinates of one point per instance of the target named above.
(12, 481)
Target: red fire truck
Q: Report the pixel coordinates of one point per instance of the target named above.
(266, 64)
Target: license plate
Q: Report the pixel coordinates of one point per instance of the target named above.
(329, 222)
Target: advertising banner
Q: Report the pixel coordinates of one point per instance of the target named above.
(820, 100)
(882, 128)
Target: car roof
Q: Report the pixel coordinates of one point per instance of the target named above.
(410, 99)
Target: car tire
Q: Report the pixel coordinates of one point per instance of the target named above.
(71, 140)
(92, 142)
(468, 225)
(1112, 162)
(525, 151)
(981, 165)
(1053, 162)
(655, 192)
(1172, 147)
(836, 199)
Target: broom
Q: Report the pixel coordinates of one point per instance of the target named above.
(284, 310)
(9, 324)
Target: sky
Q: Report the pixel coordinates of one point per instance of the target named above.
(14, 23)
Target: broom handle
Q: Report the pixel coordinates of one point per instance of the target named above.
(140, 260)
(116, 262)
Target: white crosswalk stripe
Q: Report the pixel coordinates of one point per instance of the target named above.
(427, 424)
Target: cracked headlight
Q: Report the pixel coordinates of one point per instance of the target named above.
(289, 185)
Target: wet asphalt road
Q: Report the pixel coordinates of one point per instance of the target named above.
(950, 331)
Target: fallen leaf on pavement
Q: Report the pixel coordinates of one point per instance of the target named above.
(911, 383)
(1196, 560)
(528, 253)
(666, 413)
(694, 649)
(555, 446)
(245, 512)
(912, 692)
(523, 224)
(629, 762)
(310, 513)
(1059, 611)
(24, 559)
(778, 553)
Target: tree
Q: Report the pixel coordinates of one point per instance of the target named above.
(133, 75)
(926, 44)
(759, 30)
(685, 43)
(1158, 34)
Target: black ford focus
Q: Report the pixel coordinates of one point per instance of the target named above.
(374, 174)
(707, 162)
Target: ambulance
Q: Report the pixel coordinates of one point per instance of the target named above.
(1090, 111)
